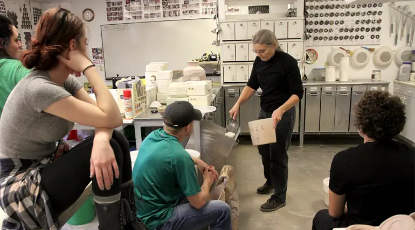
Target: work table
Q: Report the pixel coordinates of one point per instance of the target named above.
(316, 83)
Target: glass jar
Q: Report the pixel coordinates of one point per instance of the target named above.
(376, 75)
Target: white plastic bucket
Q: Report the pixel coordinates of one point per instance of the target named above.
(326, 182)
(194, 154)
(262, 132)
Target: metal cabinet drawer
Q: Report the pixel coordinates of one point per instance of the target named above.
(328, 105)
(342, 112)
(376, 87)
(312, 109)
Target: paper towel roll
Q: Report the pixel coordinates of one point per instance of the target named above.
(330, 73)
(344, 69)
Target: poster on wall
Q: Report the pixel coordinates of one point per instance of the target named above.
(115, 10)
(191, 8)
(2, 8)
(152, 9)
(98, 58)
(209, 7)
(36, 9)
(26, 28)
(133, 10)
(26, 17)
(12, 12)
(171, 8)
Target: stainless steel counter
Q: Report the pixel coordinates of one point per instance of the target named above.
(328, 105)
(316, 83)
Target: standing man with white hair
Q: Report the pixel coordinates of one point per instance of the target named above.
(277, 74)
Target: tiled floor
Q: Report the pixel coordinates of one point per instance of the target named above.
(308, 166)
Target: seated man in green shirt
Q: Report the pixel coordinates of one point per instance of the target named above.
(11, 69)
(164, 174)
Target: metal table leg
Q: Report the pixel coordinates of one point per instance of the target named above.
(144, 123)
(302, 119)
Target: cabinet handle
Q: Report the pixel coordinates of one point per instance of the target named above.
(254, 24)
(242, 24)
(229, 25)
(242, 67)
(280, 23)
(313, 94)
(344, 94)
(328, 94)
(293, 44)
(267, 23)
(242, 46)
(295, 23)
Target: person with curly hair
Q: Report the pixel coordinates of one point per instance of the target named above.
(374, 180)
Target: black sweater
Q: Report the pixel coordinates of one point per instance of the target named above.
(279, 79)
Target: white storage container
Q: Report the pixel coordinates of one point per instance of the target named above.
(164, 83)
(178, 89)
(163, 65)
(163, 90)
(210, 84)
(198, 88)
(154, 68)
(200, 100)
(174, 99)
(164, 75)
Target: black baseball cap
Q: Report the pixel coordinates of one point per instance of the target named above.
(180, 114)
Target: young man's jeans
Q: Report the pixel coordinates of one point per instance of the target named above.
(216, 214)
(275, 156)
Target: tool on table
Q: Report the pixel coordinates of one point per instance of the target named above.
(369, 49)
(391, 15)
(347, 51)
(404, 15)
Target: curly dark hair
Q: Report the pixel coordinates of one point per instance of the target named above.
(380, 115)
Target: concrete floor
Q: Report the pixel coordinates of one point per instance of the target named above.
(308, 166)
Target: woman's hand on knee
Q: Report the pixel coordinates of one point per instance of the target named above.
(103, 164)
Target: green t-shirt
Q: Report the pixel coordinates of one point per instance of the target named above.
(11, 72)
(164, 174)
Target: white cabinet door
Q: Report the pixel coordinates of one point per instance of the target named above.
(283, 46)
(250, 66)
(241, 30)
(228, 52)
(241, 73)
(252, 54)
(268, 25)
(295, 49)
(229, 73)
(281, 27)
(253, 27)
(295, 29)
(242, 51)
(228, 31)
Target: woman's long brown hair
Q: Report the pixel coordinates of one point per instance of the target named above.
(56, 28)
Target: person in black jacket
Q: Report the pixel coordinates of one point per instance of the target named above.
(278, 75)
(375, 180)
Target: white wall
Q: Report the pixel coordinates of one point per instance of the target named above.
(94, 29)
(389, 73)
